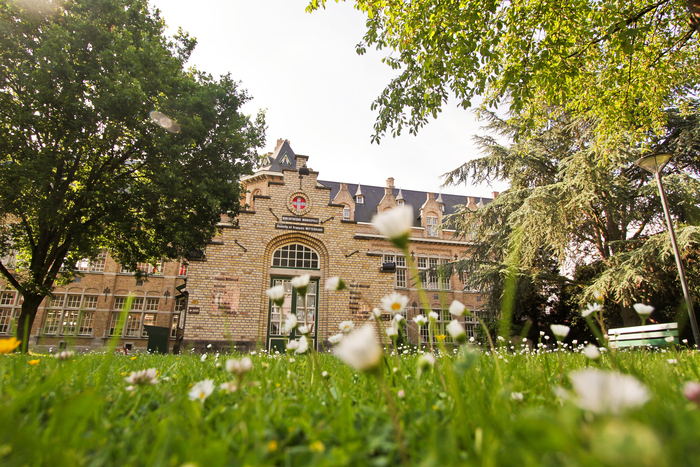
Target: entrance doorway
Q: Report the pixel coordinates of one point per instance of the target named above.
(293, 305)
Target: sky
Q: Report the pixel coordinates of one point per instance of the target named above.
(303, 70)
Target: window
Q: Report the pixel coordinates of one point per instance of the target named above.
(183, 268)
(346, 213)
(431, 226)
(399, 202)
(147, 268)
(143, 312)
(401, 272)
(97, 265)
(443, 275)
(422, 265)
(433, 274)
(360, 199)
(71, 315)
(295, 256)
(177, 316)
(10, 307)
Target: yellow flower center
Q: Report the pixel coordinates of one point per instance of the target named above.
(395, 306)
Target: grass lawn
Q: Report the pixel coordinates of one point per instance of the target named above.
(511, 408)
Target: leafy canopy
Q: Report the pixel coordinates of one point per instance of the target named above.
(85, 163)
(620, 63)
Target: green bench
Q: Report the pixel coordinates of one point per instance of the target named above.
(642, 336)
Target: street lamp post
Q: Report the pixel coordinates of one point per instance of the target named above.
(655, 163)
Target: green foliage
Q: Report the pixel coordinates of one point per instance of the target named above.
(622, 63)
(79, 412)
(566, 208)
(82, 164)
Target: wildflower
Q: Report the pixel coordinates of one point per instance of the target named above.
(239, 367)
(229, 386)
(34, 362)
(303, 329)
(394, 303)
(607, 392)
(643, 310)
(597, 295)
(143, 377)
(420, 320)
(317, 446)
(301, 283)
(276, 294)
(425, 362)
(500, 338)
(8, 345)
(541, 333)
(335, 339)
(691, 391)
(432, 316)
(670, 339)
(202, 358)
(303, 345)
(592, 352)
(591, 308)
(560, 331)
(324, 374)
(376, 313)
(399, 319)
(208, 346)
(133, 358)
(672, 361)
(335, 283)
(290, 322)
(395, 224)
(292, 345)
(392, 330)
(272, 446)
(346, 326)
(401, 394)
(457, 331)
(201, 390)
(65, 355)
(360, 349)
(516, 396)
(458, 309)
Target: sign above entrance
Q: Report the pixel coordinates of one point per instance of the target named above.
(303, 220)
(299, 203)
(299, 227)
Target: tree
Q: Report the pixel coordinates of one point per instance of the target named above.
(106, 141)
(620, 63)
(564, 204)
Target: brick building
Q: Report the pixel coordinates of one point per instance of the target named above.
(294, 224)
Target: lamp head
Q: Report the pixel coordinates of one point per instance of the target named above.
(654, 163)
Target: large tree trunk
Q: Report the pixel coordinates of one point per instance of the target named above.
(694, 13)
(630, 317)
(30, 306)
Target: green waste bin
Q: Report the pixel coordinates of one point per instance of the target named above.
(157, 338)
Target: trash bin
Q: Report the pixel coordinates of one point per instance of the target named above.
(157, 338)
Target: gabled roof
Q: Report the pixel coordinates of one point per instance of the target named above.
(283, 158)
(374, 194)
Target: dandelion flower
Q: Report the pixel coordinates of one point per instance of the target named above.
(301, 283)
(335, 339)
(394, 303)
(420, 320)
(34, 362)
(560, 331)
(201, 390)
(276, 294)
(8, 345)
(591, 308)
(395, 224)
(143, 377)
(346, 326)
(360, 349)
(643, 310)
(335, 283)
(457, 308)
(457, 331)
(303, 345)
(290, 322)
(607, 392)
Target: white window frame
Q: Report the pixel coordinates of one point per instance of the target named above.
(431, 226)
(360, 199)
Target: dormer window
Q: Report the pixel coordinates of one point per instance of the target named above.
(360, 199)
(442, 207)
(399, 202)
(431, 224)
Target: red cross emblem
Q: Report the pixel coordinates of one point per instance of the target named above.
(298, 203)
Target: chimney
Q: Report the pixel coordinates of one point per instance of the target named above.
(494, 194)
(390, 182)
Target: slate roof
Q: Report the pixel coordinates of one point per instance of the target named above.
(373, 194)
(415, 199)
